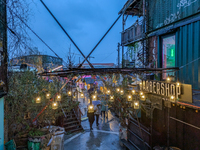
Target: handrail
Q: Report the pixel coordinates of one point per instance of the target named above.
(80, 110)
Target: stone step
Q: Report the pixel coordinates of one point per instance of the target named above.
(73, 126)
(72, 122)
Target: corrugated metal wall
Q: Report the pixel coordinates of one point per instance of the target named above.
(188, 50)
(165, 12)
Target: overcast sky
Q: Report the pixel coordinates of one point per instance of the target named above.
(86, 21)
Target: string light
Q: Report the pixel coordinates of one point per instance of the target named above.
(172, 98)
(141, 93)
(94, 97)
(82, 95)
(90, 109)
(143, 98)
(129, 98)
(177, 83)
(133, 92)
(38, 99)
(118, 90)
(69, 93)
(122, 92)
(108, 92)
(168, 79)
(58, 98)
(136, 105)
(54, 105)
(48, 95)
(111, 98)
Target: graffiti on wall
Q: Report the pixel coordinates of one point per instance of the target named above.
(185, 3)
(176, 16)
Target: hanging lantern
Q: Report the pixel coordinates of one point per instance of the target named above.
(141, 93)
(172, 99)
(82, 95)
(69, 93)
(38, 99)
(133, 92)
(122, 92)
(48, 95)
(142, 97)
(111, 98)
(178, 84)
(108, 92)
(129, 98)
(168, 79)
(118, 90)
(58, 98)
(54, 105)
(90, 109)
(94, 97)
(136, 105)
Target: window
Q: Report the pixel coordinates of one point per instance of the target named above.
(168, 54)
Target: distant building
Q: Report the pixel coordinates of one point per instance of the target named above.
(99, 65)
(46, 61)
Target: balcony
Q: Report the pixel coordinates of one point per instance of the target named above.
(132, 34)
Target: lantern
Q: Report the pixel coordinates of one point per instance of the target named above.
(111, 98)
(82, 95)
(69, 93)
(136, 105)
(54, 105)
(108, 92)
(48, 95)
(133, 92)
(168, 79)
(38, 99)
(90, 109)
(142, 97)
(94, 97)
(58, 98)
(172, 99)
(141, 93)
(118, 90)
(129, 98)
(177, 83)
(122, 92)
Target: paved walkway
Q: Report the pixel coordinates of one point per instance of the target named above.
(103, 137)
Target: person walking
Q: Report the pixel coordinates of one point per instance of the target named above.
(103, 108)
(90, 115)
(97, 111)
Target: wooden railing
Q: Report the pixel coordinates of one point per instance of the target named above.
(132, 34)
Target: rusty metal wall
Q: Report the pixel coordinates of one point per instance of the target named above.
(166, 12)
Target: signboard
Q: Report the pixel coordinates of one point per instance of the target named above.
(181, 92)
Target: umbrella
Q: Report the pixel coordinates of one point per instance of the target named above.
(96, 102)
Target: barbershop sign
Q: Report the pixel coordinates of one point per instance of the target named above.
(161, 88)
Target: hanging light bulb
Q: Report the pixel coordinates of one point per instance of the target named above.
(118, 90)
(141, 93)
(82, 95)
(133, 92)
(38, 99)
(168, 79)
(172, 99)
(58, 98)
(143, 98)
(129, 98)
(108, 92)
(94, 97)
(54, 105)
(177, 83)
(90, 109)
(111, 98)
(136, 105)
(69, 93)
(48, 95)
(122, 92)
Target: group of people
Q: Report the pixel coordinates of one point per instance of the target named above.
(98, 109)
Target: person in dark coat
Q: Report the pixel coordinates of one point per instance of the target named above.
(90, 115)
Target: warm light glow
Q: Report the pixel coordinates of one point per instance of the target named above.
(178, 83)
(48, 94)
(38, 99)
(108, 92)
(54, 105)
(112, 97)
(69, 93)
(136, 104)
(58, 97)
(129, 97)
(172, 97)
(168, 78)
(143, 96)
(133, 91)
(118, 89)
(121, 91)
(140, 83)
(91, 107)
(141, 93)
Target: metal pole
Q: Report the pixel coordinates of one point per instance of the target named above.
(123, 23)
(143, 30)
(118, 54)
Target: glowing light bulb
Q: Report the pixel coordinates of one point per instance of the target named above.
(136, 104)
(178, 83)
(141, 93)
(133, 91)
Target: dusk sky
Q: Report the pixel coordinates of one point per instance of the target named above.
(86, 21)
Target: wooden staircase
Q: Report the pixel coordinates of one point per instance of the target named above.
(72, 121)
